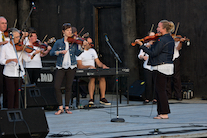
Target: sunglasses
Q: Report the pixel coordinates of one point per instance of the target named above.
(66, 24)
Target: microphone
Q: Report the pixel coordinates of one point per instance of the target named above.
(107, 39)
(33, 5)
(11, 34)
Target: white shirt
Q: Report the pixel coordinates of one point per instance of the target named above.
(36, 61)
(176, 52)
(12, 68)
(167, 69)
(88, 57)
(142, 53)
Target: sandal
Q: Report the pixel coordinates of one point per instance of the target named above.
(160, 117)
(68, 111)
(60, 111)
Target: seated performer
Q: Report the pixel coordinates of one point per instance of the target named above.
(86, 61)
(11, 74)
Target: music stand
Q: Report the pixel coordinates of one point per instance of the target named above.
(117, 119)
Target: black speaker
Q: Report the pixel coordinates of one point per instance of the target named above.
(23, 123)
(136, 90)
(40, 97)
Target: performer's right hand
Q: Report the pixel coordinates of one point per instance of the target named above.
(92, 67)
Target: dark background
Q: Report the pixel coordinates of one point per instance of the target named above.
(123, 21)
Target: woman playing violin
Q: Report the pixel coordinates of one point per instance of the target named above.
(33, 67)
(11, 68)
(66, 66)
(160, 58)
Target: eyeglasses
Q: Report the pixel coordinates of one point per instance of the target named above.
(66, 24)
(17, 37)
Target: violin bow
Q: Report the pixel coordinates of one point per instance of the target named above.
(44, 38)
(15, 23)
(81, 31)
(151, 28)
(177, 28)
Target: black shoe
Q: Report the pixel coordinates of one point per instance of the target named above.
(104, 101)
(154, 102)
(91, 101)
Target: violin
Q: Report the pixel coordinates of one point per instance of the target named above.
(43, 46)
(6, 33)
(20, 47)
(75, 39)
(148, 38)
(179, 37)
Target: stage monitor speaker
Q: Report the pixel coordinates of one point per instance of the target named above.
(23, 123)
(136, 90)
(40, 97)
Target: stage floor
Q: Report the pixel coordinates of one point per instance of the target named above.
(188, 118)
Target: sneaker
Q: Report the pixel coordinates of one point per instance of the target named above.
(90, 101)
(104, 101)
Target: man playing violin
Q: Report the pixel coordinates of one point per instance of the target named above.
(11, 71)
(87, 60)
(175, 78)
(33, 67)
(3, 40)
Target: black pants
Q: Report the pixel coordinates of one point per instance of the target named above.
(34, 74)
(149, 85)
(176, 79)
(59, 76)
(160, 89)
(2, 87)
(12, 87)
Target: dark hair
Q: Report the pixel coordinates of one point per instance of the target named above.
(74, 29)
(32, 32)
(31, 29)
(66, 26)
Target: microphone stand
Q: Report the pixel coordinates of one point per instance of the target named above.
(117, 119)
(19, 89)
(24, 26)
